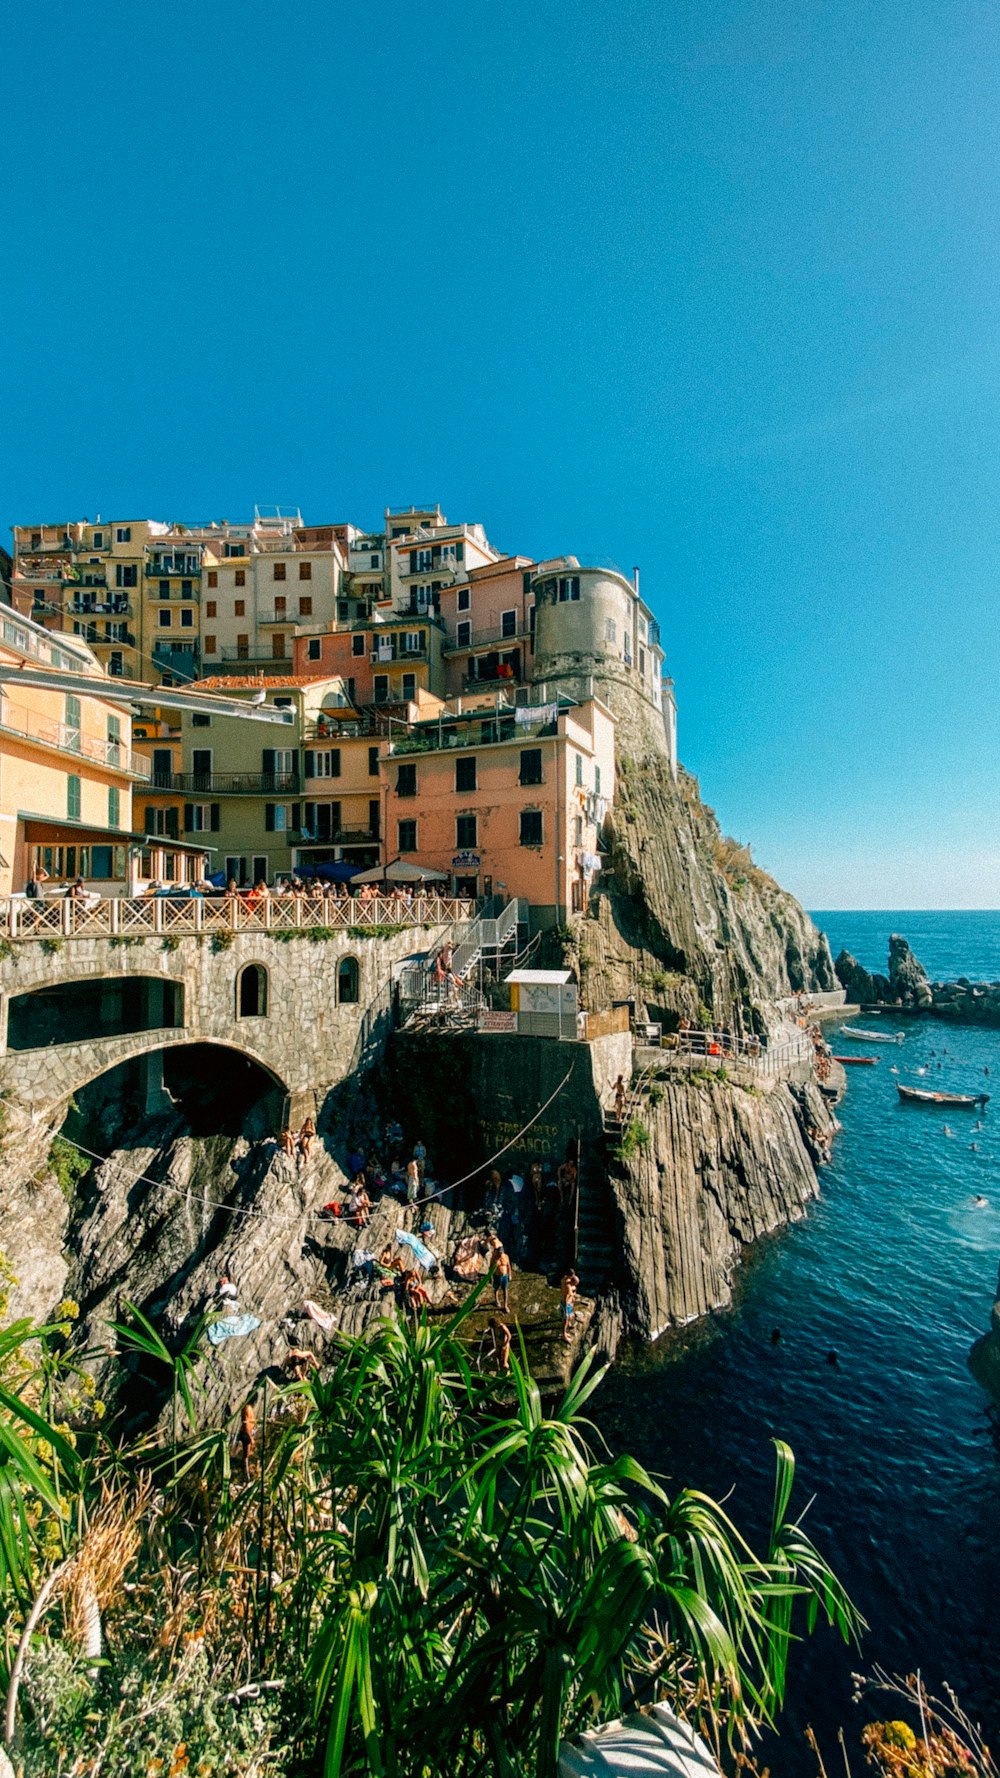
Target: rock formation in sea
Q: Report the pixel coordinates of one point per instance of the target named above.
(963, 1002)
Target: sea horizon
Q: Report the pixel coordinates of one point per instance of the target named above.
(949, 942)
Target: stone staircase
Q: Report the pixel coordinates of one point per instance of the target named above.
(595, 1212)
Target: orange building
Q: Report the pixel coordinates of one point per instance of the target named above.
(489, 619)
(380, 662)
(505, 800)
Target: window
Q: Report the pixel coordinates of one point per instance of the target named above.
(597, 780)
(465, 598)
(609, 630)
(239, 608)
(200, 720)
(324, 762)
(279, 570)
(531, 765)
(358, 644)
(406, 836)
(201, 766)
(343, 611)
(278, 646)
(277, 761)
(251, 992)
(381, 688)
(98, 539)
(409, 687)
(463, 633)
(569, 587)
(213, 577)
(114, 740)
(201, 817)
(162, 823)
(114, 806)
(242, 645)
(578, 830)
(240, 578)
(578, 757)
(163, 619)
(642, 661)
(376, 560)
(187, 620)
(73, 723)
(374, 817)
(531, 827)
(508, 623)
(280, 605)
(123, 533)
(348, 981)
(314, 648)
(210, 607)
(466, 832)
(305, 570)
(164, 589)
(406, 780)
(73, 798)
(126, 574)
(373, 762)
(465, 774)
(116, 663)
(305, 607)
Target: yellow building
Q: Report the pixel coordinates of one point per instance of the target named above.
(67, 772)
(84, 579)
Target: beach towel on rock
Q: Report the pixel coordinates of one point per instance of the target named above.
(322, 1317)
(231, 1327)
(416, 1246)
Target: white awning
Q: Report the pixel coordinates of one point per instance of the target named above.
(539, 978)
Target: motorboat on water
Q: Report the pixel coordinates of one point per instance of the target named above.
(925, 1096)
(860, 1036)
(858, 1061)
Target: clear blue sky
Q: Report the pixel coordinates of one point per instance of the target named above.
(703, 285)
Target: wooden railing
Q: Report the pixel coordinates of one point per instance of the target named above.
(127, 916)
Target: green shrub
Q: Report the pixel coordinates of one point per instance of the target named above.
(222, 941)
(635, 1140)
(69, 1166)
(51, 946)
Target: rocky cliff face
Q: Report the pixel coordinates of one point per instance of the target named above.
(681, 918)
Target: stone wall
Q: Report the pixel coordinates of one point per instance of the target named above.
(306, 1040)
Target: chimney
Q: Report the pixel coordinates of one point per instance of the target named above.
(635, 581)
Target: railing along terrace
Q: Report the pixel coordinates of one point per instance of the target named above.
(180, 912)
(717, 1049)
(52, 733)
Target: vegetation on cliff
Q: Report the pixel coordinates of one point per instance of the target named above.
(402, 1578)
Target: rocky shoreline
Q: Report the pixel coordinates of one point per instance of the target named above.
(906, 988)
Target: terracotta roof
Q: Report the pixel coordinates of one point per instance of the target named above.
(251, 681)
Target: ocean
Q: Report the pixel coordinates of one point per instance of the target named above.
(898, 1449)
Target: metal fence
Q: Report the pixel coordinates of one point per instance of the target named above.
(127, 916)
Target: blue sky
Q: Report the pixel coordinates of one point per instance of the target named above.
(706, 286)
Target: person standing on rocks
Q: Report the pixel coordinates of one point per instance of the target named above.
(307, 1136)
(568, 1288)
(501, 1281)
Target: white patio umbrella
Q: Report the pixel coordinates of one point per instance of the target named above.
(399, 872)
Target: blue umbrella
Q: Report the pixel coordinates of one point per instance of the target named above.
(337, 871)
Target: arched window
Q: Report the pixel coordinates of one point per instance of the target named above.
(251, 992)
(348, 981)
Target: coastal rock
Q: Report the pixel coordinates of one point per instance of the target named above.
(682, 918)
(984, 1359)
(861, 987)
(908, 982)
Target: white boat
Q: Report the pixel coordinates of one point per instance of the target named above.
(860, 1036)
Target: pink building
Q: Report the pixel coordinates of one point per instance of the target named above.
(487, 616)
(505, 800)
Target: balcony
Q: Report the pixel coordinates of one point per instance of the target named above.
(476, 681)
(387, 656)
(339, 836)
(489, 639)
(47, 732)
(229, 783)
(485, 731)
(81, 606)
(288, 618)
(171, 567)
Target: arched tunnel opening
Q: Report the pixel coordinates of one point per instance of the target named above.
(213, 1090)
(85, 1012)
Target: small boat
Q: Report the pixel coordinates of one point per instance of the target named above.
(860, 1036)
(924, 1096)
(858, 1061)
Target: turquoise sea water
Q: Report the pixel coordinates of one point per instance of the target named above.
(894, 1271)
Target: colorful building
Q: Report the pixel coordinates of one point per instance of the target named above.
(68, 772)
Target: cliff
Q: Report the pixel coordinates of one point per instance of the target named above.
(682, 919)
(984, 1359)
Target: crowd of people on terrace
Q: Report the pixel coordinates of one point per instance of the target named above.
(318, 891)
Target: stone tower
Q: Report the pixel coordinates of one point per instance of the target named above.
(594, 632)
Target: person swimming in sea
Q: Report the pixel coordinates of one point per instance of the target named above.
(980, 1202)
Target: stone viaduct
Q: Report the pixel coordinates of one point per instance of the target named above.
(315, 1009)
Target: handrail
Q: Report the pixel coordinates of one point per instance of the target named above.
(125, 916)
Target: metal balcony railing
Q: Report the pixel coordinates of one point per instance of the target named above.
(64, 739)
(244, 912)
(229, 783)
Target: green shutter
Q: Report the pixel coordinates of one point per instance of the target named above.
(171, 824)
(310, 764)
(268, 757)
(114, 807)
(149, 821)
(73, 798)
(335, 762)
(214, 807)
(268, 817)
(188, 817)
